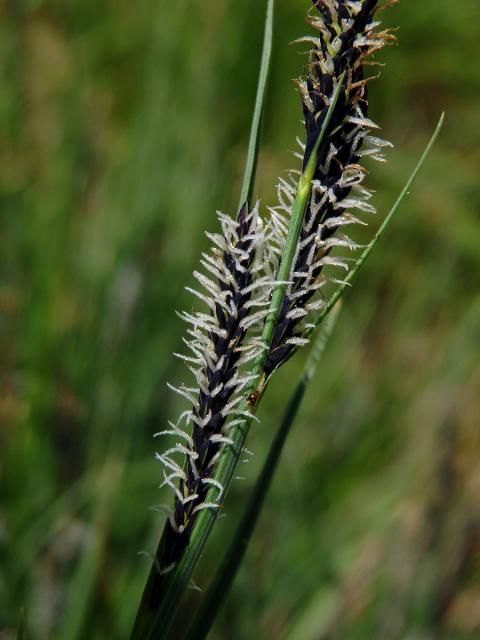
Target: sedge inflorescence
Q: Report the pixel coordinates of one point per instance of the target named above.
(348, 36)
(221, 344)
(239, 274)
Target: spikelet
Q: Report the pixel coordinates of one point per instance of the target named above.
(235, 287)
(348, 36)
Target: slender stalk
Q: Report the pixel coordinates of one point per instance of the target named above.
(235, 553)
(253, 144)
(163, 592)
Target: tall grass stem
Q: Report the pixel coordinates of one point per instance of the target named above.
(253, 145)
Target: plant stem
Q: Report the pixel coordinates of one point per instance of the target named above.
(253, 144)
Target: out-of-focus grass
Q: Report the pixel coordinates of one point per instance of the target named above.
(123, 128)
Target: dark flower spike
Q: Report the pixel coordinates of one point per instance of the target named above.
(236, 292)
(348, 36)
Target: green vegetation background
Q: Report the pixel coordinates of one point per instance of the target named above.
(123, 128)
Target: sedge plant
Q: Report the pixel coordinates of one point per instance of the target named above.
(260, 289)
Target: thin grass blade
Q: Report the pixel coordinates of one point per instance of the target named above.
(253, 144)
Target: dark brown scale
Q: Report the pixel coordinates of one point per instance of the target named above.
(343, 11)
(324, 10)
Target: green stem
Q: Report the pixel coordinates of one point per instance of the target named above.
(234, 556)
(253, 144)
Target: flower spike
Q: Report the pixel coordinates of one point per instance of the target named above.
(348, 37)
(235, 289)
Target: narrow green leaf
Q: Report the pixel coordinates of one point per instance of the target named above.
(252, 153)
(227, 571)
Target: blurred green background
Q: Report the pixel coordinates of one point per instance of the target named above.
(123, 129)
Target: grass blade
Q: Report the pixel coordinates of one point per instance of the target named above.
(253, 144)
(234, 555)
